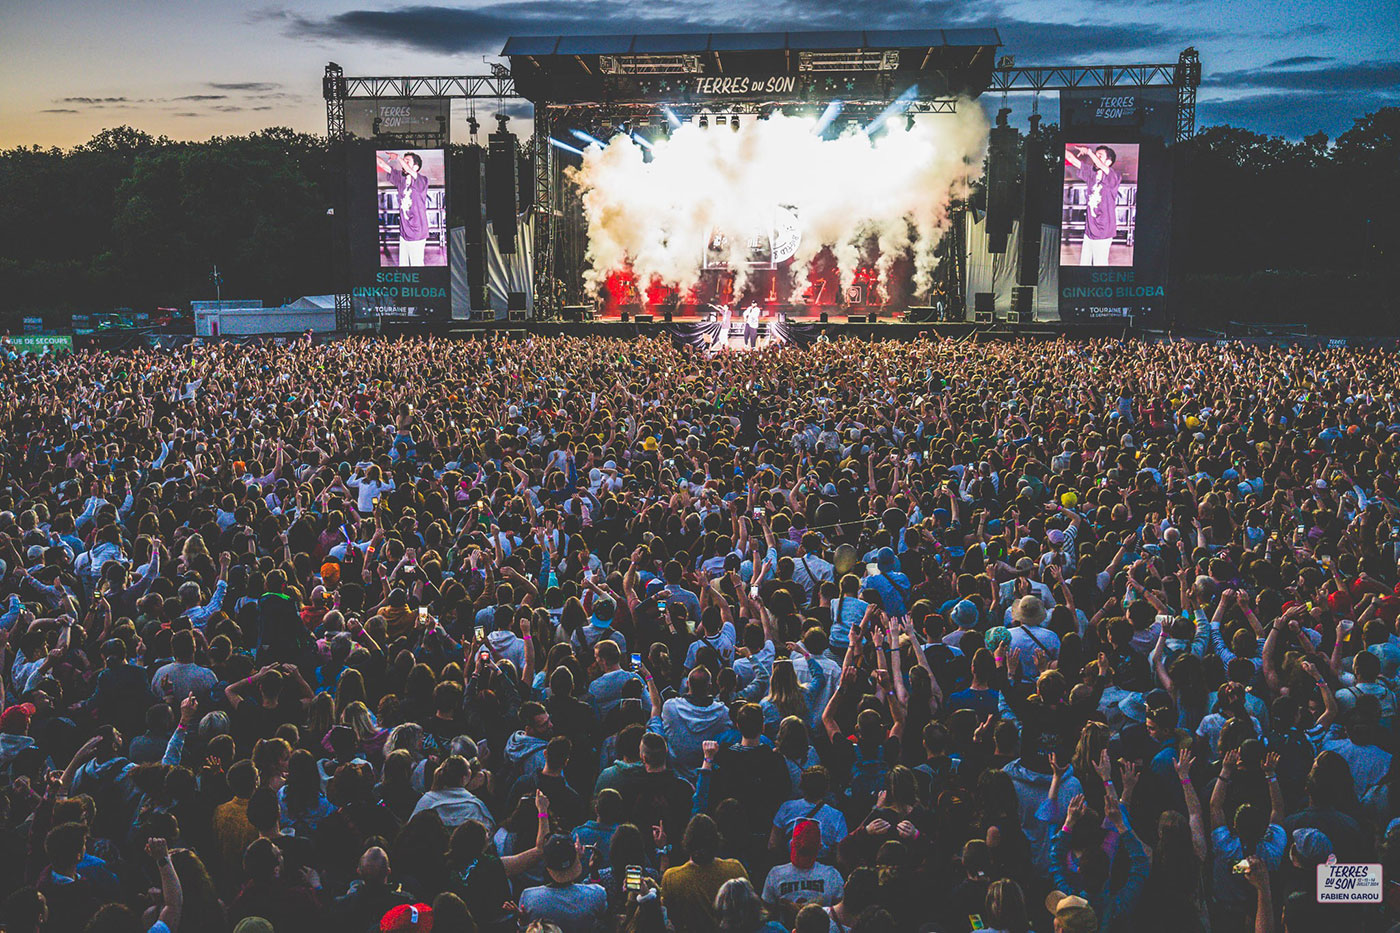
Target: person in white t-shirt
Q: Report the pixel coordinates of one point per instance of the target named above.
(803, 880)
(369, 488)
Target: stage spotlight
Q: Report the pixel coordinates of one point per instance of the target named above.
(642, 141)
(671, 117)
(704, 121)
(565, 146)
(591, 140)
(734, 123)
(898, 105)
(828, 115)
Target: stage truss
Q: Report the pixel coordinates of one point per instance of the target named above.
(1006, 78)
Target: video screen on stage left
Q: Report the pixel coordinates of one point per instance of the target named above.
(1098, 212)
(411, 196)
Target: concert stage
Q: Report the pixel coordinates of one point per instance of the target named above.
(831, 330)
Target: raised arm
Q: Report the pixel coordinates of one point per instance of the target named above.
(1330, 710)
(1277, 810)
(1217, 794)
(171, 895)
(1183, 765)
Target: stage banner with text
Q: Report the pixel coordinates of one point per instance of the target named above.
(40, 343)
(1116, 197)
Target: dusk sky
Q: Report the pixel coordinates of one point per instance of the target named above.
(189, 70)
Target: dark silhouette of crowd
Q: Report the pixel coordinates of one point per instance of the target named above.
(576, 635)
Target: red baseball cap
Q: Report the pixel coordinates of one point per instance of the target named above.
(408, 917)
(12, 717)
(806, 843)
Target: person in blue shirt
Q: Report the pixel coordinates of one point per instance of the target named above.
(889, 583)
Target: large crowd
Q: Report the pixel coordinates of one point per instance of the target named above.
(581, 635)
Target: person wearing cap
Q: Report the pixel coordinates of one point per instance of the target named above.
(600, 624)
(1062, 551)
(407, 918)
(1071, 913)
(1030, 634)
(965, 616)
(14, 732)
(890, 584)
(573, 905)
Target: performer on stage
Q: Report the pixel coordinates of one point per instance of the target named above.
(751, 314)
(726, 316)
(1101, 214)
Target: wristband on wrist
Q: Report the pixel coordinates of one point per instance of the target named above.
(1186, 783)
(544, 816)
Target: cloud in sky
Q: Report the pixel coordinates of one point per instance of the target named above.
(1360, 76)
(244, 85)
(444, 29)
(1296, 60)
(1327, 60)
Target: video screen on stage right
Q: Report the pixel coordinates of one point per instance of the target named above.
(1115, 204)
(1098, 208)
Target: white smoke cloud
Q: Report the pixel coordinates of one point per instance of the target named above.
(660, 214)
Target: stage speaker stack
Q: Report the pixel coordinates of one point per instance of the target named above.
(642, 318)
(1032, 207)
(501, 198)
(983, 307)
(1003, 200)
(855, 319)
(1022, 304)
(465, 179)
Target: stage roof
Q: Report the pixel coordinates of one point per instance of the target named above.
(748, 66)
(750, 42)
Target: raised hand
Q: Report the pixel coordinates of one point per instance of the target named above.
(1077, 810)
(1182, 764)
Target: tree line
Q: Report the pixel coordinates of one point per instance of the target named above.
(1267, 228)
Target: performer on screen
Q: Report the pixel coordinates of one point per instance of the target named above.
(412, 185)
(1101, 210)
(751, 314)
